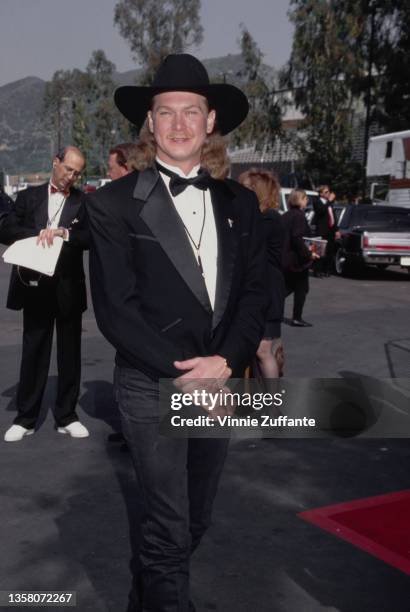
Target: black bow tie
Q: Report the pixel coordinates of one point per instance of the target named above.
(178, 184)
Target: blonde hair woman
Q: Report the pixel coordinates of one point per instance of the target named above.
(297, 258)
(269, 356)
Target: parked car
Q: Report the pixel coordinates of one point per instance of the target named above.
(6, 204)
(90, 185)
(103, 181)
(372, 235)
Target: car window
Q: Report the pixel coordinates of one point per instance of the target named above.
(310, 202)
(341, 215)
(384, 218)
(284, 202)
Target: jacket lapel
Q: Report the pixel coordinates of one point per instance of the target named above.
(70, 209)
(164, 222)
(68, 213)
(41, 207)
(222, 202)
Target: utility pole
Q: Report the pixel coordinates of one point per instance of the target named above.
(368, 99)
(59, 125)
(61, 120)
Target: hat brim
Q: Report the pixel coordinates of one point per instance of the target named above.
(229, 102)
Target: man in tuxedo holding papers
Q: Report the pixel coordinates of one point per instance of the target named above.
(47, 211)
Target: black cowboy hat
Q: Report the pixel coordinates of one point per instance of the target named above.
(183, 72)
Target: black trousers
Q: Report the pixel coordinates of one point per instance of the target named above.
(38, 328)
(177, 481)
(298, 284)
(327, 261)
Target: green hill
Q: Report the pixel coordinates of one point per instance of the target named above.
(25, 145)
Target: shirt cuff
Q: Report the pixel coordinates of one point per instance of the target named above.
(66, 236)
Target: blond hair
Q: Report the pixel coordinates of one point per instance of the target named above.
(295, 198)
(323, 188)
(214, 155)
(265, 185)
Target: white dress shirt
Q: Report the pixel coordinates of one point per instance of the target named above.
(190, 206)
(330, 215)
(56, 203)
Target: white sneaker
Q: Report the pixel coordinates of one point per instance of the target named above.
(75, 429)
(16, 433)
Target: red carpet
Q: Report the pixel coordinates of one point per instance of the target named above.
(379, 525)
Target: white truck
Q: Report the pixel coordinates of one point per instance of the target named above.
(388, 164)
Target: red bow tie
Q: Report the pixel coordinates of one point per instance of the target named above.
(55, 190)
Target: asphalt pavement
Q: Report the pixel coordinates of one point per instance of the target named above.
(67, 505)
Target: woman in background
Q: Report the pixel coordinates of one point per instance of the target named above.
(297, 258)
(269, 356)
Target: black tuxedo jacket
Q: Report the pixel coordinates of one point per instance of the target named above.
(149, 297)
(296, 255)
(28, 217)
(273, 230)
(321, 220)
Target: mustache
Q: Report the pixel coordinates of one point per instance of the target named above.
(184, 134)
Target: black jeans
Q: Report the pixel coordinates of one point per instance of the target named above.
(176, 481)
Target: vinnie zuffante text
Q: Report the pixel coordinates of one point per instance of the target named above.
(264, 420)
(230, 402)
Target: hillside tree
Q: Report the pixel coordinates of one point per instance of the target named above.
(105, 117)
(391, 82)
(347, 56)
(81, 134)
(78, 108)
(325, 65)
(63, 105)
(263, 123)
(155, 28)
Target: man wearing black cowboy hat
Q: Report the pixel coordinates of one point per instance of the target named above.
(177, 265)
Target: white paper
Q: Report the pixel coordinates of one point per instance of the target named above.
(34, 256)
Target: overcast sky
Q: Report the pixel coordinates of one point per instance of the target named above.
(38, 37)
